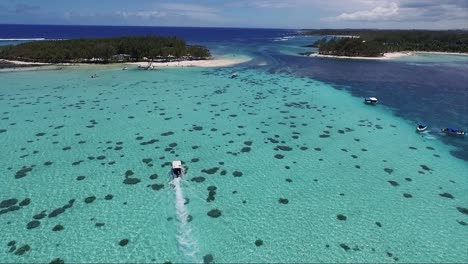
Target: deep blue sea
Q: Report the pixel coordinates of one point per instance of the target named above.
(283, 164)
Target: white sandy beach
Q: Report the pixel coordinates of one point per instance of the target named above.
(23, 62)
(211, 63)
(217, 62)
(389, 56)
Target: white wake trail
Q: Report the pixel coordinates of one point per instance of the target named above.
(184, 233)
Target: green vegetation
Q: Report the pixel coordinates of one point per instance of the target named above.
(105, 50)
(374, 43)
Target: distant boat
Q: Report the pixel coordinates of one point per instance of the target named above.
(234, 75)
(124, 69)
(453, 131)
(371, 100)
(421, 127)
(177, 170)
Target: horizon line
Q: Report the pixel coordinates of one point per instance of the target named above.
(234, 27)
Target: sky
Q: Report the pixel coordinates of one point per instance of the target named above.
(297, 14)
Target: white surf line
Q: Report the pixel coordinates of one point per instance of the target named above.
(186, 242)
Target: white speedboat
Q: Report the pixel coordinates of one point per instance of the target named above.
(421, 127)
(453, 131)
(371, 100)
(177, 169)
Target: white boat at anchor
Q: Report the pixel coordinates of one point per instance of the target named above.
(371, 100)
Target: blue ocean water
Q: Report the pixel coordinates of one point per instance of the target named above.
(284, 163)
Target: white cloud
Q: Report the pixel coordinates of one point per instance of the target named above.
(175, 10)
(377, 13)
(141, 14)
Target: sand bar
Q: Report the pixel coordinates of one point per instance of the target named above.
(388, 56)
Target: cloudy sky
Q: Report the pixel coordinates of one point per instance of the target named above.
(426, 14)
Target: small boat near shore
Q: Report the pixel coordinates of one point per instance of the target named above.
(234, 75)
(177, 169)
(371, 100)
(453, 131)
(421, 127)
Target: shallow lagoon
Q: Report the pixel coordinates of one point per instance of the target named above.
(303, 172)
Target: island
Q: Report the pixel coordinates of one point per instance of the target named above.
(104, 51)
(377, 43)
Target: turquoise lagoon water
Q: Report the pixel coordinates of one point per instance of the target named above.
(299, 172)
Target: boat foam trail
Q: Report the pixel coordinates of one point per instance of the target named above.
(185, 240)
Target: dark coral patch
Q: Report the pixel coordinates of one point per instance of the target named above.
(248, 143)
(245, 149)
(57, 228)
(237, 174)
(378, 224)
(123, 242)
(425, 167)
(447, 195)
(283, 201)
(407, 195)
(131, 181)
(208, 259)
(165, 134)
(33, 224)
(215, 213)
(40, 134)
(211, 171)
(57, 261)
(23, 172)
(462, 210)
(25, 202)
(40, 216)
(109, 197)
(279, 156)
(90, 199)
(345, 247)
(157, 187)
(394, 183)
(8, 203)
(198, 179)
(153, 176)
(258, 242)
(197, 128)
(147, 160)
(388, 170)
(48, 163)
(284, 148)
(80, 178)
(341, 217)
(20, 251)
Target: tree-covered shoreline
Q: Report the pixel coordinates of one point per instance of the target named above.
(105, 50)
(374, 43)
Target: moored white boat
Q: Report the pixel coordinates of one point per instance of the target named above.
(371, 100)
(421, 127)
(453, 131)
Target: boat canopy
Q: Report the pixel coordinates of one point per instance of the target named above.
(177, 164)
(371, 99)
(451, 129)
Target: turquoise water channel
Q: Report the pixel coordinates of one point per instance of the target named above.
(279, 169)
